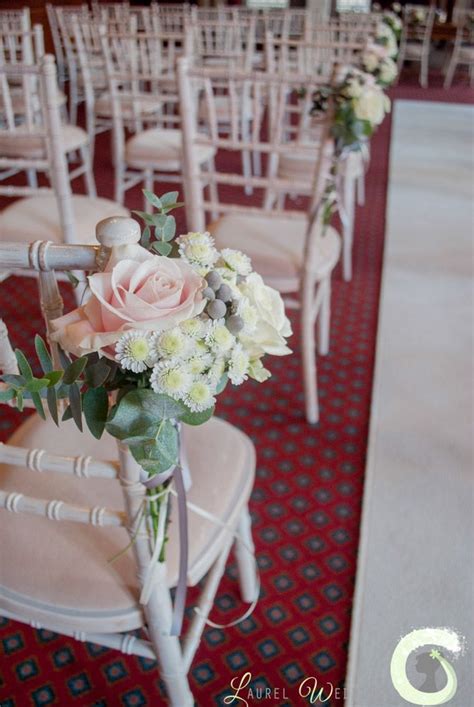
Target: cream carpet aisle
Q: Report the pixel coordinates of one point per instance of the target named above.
(416, 555)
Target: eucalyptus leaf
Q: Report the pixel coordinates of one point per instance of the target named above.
(53, 377)
(23, 365)
(67, 414)
(74, 370)
(158, 454)
(169, 199)
(43, 354)
(19, 400)
(198, 418)
(145, 237)
(14, 380)
(169, 229)
(75, 403)
(95, 405)
(72, 278)
(36, 384)
(138, 415)
(162, 247)
(97, 374)
(36, 398)
(52, 401)
(152, 199)
(6, 395)
(148, 218)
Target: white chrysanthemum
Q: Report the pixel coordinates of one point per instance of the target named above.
(370, 61)
(219, 338)
(173, 343)
(170, 378)
(216, 371)
(258, 372)
(135, 351)
(238, 365)
(249, 315)
(199, 363)
(353, 88)
(228, 276)
(388, 71)
(198, 250)
(194, 328)
(200, 396)
(237, 261)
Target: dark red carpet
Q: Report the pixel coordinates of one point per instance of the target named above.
(305, 505)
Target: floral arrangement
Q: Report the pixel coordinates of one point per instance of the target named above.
(386, 37)
(392, 20)
(417, 16)
(168, 322)
(360, 105)
(375, 61)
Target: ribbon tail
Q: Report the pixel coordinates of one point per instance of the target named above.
(181, 588)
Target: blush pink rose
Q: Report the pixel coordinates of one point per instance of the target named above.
(142, 291)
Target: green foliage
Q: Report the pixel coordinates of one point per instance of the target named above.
(95, 405)
(139, 414)
(161, 224)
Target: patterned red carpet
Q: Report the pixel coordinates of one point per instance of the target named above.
(305, 506)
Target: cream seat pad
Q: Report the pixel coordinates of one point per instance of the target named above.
(276, 247)
(161, 149)
(18, 145)
(37, 218)
(103, 106)
(65, 564)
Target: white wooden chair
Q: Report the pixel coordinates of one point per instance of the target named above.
(64, 15)
(138, 90)
(317, 59)
(463, 50)
(171, 17)
(61, 527)
(289, 248)
(51, 213)
(415, 41)
(227, 44)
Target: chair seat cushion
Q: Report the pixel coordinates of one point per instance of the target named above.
(18, 145)
(37, 218)
(161, 149)
(67, 565)
(276, 247)
(223, 110)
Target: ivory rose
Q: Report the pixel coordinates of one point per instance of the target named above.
(272, 325)
(141, 291)
(372, 105)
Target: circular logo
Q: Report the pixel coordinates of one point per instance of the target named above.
(443, 637)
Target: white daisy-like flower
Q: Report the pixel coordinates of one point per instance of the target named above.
(249, 315)
(198, 363)
(219, 338)
(198, 250)
(171, 378)
(237, 261)
(173, 343)
(216, 371)
(194, 328)
(238, 365)
(200, 396)
(135, 351)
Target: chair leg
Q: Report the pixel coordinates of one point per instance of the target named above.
(450, 72)
(424, 72)
(73, 97)
(168, 651)
(244, 553)
(309, 365)
(88, 174)
(148, 180)
(324, 318)
(246, 157)
(257, 163)
(348, 228)
(213, 193)
(361, 189)
(32, 177)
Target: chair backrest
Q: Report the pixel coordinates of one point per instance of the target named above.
(464, 21)
(36, 117)
(170, 18)
(279, 97)
(47, 259)
(313, 56)
(228, 43)
(21, 47)
(418, 23)
(15, 20)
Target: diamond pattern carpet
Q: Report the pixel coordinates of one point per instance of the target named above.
(305, 505)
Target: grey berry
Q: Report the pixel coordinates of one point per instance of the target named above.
(235, 323)
(209, 293)
(214, 279)
(216, 309)
(224, 293)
